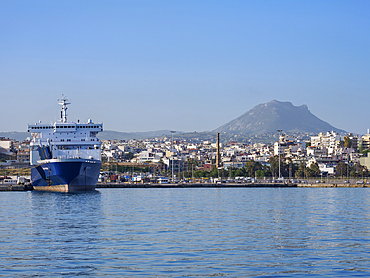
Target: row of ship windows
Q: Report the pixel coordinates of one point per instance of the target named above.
(80, 126)
(75, 147)
(68, 140)
(64, 126)
(41, 127)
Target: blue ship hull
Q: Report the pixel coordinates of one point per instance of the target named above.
(70, 175)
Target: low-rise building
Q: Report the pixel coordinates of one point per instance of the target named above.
(366, 142)
(6, 146)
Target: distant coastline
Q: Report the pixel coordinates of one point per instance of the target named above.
(266, 138)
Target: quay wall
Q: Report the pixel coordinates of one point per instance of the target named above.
(15, 187)
(223, 185)
(28, 187)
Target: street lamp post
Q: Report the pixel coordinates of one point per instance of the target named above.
(172, 131)
(279, 130)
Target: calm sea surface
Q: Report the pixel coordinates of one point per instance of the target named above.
(235, 232)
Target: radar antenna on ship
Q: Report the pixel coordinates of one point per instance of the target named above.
(64, 102)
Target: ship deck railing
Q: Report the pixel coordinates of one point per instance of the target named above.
(74, 157)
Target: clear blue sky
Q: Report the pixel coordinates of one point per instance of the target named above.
(182, 65)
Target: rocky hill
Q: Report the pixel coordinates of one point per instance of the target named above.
(264, 118)
(268, 117)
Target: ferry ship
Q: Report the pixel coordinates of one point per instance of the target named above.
(66, 156)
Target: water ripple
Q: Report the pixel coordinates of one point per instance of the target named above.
(235, 232)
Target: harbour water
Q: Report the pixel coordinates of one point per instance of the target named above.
(186, 232)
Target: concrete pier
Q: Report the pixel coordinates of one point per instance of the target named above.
(227, 185)
(324, 185)
(191, 185)
(28, 187)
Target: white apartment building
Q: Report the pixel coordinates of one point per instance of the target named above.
(330, 140)
(366, 141)
(149, 156)
(289, 146)
(6, 146)
(316, 151)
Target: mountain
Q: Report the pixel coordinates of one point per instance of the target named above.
(268, 117)
(263, 118)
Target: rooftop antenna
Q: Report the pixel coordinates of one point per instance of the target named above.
(64, 102)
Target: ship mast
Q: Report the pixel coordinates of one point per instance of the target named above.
(64, 102)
